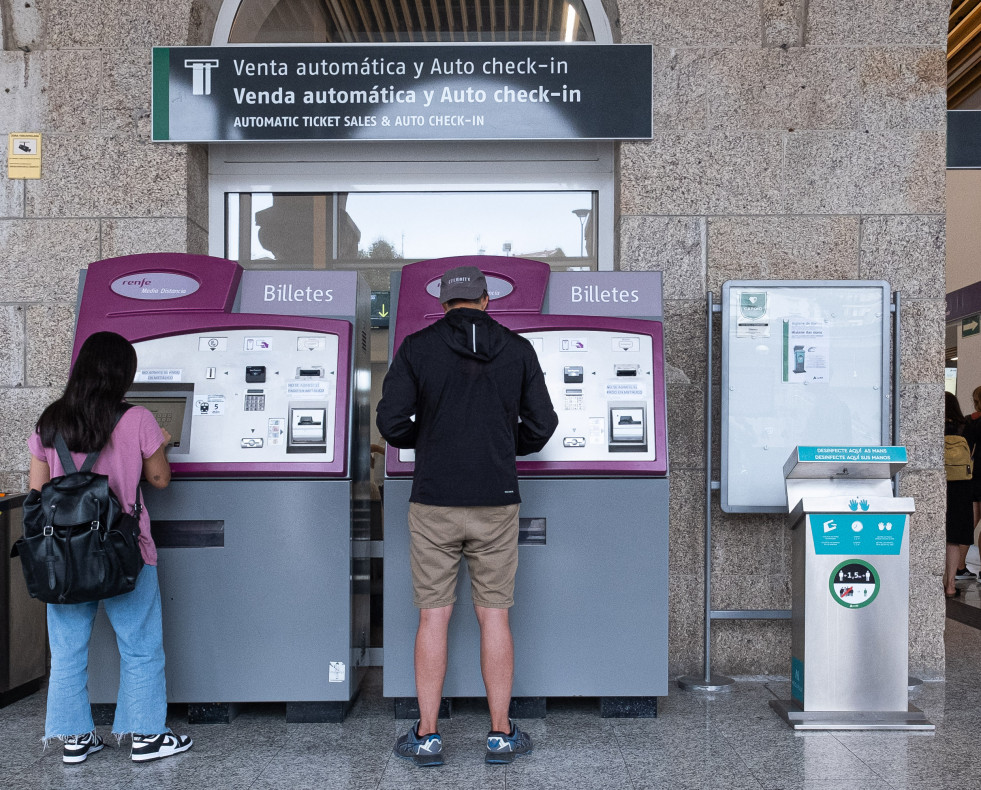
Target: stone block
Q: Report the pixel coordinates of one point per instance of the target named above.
(109, 176)
(927, 529)
(748, 547)
(680, 88)
(686, 523)
(133, 236)
(116, 23)
(783, 23)
(672, 245)
(686, 624)
(11, 190)
(926, 625)
(50, 332)
(865, 173)
(751, 647)
(684, 351)
(41, 260)
(686, 427)
(71, 92)
(22, 27)
(781, 248)
(906, 251)
(701, 173)
(197, 184)
(127, 81)
(857, 23)
(904, 88)
(13, 482)
(12, 347)
(674, 23)
(21, 408)
(922, 428)
(772, 89)
(20, 98)
(921, 342)
(197, 239)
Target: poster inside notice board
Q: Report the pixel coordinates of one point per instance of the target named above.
(804, 362)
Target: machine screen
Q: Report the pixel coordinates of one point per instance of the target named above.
(169, 411)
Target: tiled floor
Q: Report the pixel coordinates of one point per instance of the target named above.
(729, 740)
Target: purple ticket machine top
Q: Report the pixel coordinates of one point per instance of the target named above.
(604, 368)
(243, 394)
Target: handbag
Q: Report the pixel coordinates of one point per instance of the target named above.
(79, 543)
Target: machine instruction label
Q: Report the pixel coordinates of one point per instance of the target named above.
(857, 533)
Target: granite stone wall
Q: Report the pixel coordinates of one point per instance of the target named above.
(797, 139)
(793, 140)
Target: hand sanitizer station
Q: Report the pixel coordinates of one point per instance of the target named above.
(850, 624)
(261, 378)
(590, 614)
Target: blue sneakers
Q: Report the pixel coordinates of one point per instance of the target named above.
(424, 751)
(504, 748)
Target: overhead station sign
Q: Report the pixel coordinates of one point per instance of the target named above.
(411, 92)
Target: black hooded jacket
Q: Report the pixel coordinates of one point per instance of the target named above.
(467, 380)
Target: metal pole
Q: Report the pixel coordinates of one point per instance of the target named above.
(707, 682)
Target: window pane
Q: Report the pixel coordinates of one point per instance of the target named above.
(416, 226)
(377, 232)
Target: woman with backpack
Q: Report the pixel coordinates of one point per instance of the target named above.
(133, 447)
(960, 508)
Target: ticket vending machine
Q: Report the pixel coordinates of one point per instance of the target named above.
(590, 617)
(261, 378)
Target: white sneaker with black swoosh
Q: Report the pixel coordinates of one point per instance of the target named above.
(155, 747)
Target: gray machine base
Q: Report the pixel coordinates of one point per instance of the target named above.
(590, 618)
(259, 612)
(791, 712)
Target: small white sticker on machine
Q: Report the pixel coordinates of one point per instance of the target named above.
(307, 389)
(335, 673)
(159, 374)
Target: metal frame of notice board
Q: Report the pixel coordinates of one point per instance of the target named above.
(790, 344)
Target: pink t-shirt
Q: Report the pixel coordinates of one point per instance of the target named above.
(137, 436)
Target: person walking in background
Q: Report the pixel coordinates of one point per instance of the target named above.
(973, 436)
(960, 511)
(468, 395)
(86, 417)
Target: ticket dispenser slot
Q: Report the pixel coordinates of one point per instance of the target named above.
(308, 429)
(628, 428)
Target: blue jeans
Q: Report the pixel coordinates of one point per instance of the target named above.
(141, 706)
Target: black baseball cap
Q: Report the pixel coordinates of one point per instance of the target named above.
(463, 282)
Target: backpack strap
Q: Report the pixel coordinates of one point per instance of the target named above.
(66, 457)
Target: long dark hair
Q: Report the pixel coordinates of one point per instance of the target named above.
(952, 411)
(86, 412)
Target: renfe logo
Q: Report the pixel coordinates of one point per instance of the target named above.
(154, 286)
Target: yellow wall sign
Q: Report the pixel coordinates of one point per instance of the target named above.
(23, 155)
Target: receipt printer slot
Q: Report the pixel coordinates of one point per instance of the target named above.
(628, 428)
(308, 430)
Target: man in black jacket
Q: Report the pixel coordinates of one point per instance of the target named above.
(468, 395)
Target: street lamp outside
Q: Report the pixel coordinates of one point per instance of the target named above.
(582, 213)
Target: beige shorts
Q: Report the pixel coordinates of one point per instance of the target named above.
(440, 536)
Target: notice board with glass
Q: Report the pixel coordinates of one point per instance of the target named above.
(804, 362)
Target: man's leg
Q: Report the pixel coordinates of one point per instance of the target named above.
(430, 662)
(496, 663)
